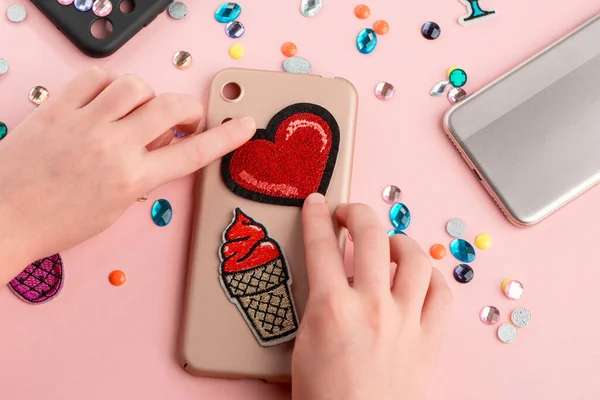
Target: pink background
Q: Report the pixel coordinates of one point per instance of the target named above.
(96, 341)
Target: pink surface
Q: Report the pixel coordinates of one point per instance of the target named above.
(96, 341)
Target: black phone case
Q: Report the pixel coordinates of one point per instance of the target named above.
(76, 25)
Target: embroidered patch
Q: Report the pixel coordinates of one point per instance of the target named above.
(290, 159)
(475, 13)
(40, 281)
(256, 278)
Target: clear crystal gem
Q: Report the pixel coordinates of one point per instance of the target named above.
(463, 273)
(228, 12)
(162, 212)
(366, 41)
(65, 2)
(38, 95)
(177, 10)
(489, 315)
(391, 194)
(507, 333)
(102, 8)
(456, 95)
(521, 317)
(83, 5)
(512, 289)
(462, 250)
(400, 216)
(440, 88)
(234, 29)
(384, 91)
(297, 65)
(310, 8)
(182, 60)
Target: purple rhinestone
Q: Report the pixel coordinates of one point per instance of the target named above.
(83, 5)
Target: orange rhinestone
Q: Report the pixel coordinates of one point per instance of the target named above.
(437, 251)
(117, 277)
(381, 27)
(362, 11)
(289, 49)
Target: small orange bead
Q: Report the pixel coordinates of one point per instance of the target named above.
(117, 277)
(289, 49)
(381, 27)
(437, 251)
(362, 11)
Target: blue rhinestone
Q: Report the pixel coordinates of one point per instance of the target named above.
(463, 273)
(400, 216)
(396, 232)
(228, 12)
(84, 5)
(462, 250)
(3, 130)
(162, 212)
(366, 41)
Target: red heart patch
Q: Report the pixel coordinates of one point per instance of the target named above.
(290, 159)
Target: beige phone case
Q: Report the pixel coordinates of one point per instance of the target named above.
(217, 340)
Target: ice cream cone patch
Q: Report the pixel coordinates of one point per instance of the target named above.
(290, 159)
(256, 278)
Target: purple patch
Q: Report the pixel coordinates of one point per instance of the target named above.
(40, 281)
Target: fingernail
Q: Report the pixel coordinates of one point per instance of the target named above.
(248, 123)
(316, 198)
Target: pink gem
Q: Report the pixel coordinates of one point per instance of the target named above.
(102, 7)
(65, 2)
(512, 289)
(489, 315)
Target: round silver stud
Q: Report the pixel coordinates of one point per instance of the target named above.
(507, 333)
(178, 10)
(521, 317)
(16, 13)
(456, 227)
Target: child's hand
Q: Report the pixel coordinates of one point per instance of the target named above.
(367, 341)
(76, 163)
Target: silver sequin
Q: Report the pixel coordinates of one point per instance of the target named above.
(456, 95)
(16, 13)
(310, 8)
(178, 10)
(456, 227)
(3, 66)
(507, 333)
(440, 88)
(521, 317)
(297, 65)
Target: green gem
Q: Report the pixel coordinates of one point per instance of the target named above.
(458, 78)
(3, 130)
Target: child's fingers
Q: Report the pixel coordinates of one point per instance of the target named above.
(189, 155)
(412, 274)
(85, 87)
(371, 247)
(120, 98)
(162, 113)
(324, 262)
(438, 302)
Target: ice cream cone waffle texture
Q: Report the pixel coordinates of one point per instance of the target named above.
(256, 277)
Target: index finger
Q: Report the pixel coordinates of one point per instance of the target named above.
(324, 262)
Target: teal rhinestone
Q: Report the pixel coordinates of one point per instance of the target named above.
(458, 78)
(462, 250)
(396, 232)
(228, 12)
(366, 41)
(162, 212)
(400, 216)
(3, 130)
